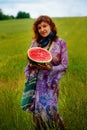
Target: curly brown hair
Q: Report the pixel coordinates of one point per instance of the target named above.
(47, 19)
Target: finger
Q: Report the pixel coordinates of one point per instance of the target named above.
(30, 65)
(33, 65)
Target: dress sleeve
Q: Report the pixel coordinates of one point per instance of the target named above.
(64, 59)
(58, 71)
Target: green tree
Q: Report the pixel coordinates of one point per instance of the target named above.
(21, 14)
(1, 15)
(5, 17)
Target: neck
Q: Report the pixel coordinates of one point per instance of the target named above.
(46, 40)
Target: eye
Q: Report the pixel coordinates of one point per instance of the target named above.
(39, 28)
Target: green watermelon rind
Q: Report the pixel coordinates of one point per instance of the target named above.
(35, 61)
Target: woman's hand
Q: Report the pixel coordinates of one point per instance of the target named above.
(41, 67)
(44, 67)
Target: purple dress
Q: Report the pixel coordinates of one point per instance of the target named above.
(47, 88)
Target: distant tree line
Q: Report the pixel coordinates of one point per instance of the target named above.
(20, 15)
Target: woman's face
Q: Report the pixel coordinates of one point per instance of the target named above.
(44, 29)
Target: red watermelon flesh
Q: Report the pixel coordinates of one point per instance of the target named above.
(39, 55)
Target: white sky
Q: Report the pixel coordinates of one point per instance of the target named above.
(53, 8)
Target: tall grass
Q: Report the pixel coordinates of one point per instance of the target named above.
(15, 38)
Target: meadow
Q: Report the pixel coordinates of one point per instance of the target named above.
(15, 39)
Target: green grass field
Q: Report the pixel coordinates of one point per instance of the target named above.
(15, 38)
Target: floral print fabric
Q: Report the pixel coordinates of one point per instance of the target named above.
(47, 88)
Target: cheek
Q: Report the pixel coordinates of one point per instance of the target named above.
(49, 29)
(39, 31)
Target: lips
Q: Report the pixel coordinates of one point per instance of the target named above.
(44, 33)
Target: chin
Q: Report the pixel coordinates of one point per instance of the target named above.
(44, 35)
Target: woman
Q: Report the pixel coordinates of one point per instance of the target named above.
(45, 108)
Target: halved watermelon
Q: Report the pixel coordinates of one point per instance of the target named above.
(39, 55)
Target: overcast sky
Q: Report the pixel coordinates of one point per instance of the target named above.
(53, 8)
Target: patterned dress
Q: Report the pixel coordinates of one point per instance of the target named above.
(47, 87)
